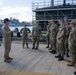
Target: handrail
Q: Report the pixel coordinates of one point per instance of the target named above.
(56, 3)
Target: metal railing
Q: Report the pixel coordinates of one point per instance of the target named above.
(45, 6)
(48, 4)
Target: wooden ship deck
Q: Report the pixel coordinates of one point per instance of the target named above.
(33, 62)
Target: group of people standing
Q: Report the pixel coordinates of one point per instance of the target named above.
(60, 40)
(6, 34)
(36, 33)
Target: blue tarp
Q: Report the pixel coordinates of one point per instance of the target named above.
(0, 33)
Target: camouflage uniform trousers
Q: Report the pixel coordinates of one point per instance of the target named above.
(72, 51)
(66, 46)
(48, 39)
(53, 43)
(60, 47)
(36, 40)
(25, 40)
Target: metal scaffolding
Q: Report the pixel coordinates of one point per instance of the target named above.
(44, 11)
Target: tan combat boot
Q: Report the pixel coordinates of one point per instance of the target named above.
(69, 61)
(10, 58)
(7, 61)
(50, 49)
(72, 63)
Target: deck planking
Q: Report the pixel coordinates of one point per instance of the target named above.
(28, 60)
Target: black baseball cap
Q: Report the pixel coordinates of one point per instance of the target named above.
(6, 20)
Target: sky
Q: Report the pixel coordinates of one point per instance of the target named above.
(19, 9)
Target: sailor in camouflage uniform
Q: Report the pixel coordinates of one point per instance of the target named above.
(48, 34)
(72, 44)
(53, 34)
(61, 40)
(36, 33)
(24, 32)
(66, 38)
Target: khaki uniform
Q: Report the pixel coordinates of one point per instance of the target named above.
(53, 34)
(48, 35)
(66, 38)
(24, 32)
(60, 42)
(6, 40)
(72, 44)
(36, 32)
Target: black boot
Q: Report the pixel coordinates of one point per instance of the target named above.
(67, 54)
(54, 52)
(33, 48)
(36, 48)
(75, 73)
(61, 58)
(47, 47)
(58, 56)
